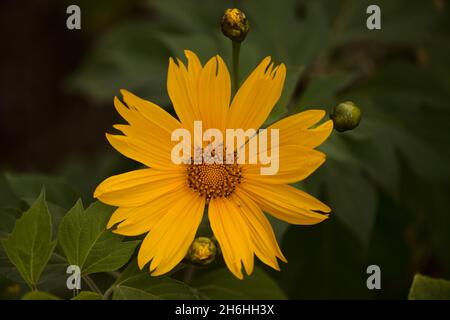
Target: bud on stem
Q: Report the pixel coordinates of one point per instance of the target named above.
(346, 116)
(202, 251)
(235, 25)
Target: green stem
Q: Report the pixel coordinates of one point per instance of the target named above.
(91, 284)
(109, 292)
(189, 274)
(236, 49)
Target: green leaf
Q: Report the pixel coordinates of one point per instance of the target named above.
(39, 295)
(86, 243)
(221, 284)
(87, 295)
(427, 288)
(127, 56)
(139, 285)
(28, 187)
(30, 244)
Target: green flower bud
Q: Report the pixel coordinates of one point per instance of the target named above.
(202, 251)
(345, 116)
(235, 25)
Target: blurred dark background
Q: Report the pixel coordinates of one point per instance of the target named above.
(387, 181)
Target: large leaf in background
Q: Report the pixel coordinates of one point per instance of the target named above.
(127, 57)
(30, 245)
(135, 56)
(390, 250)
(86, 243)
(134, 284)
(347, 19)
(28, 187)
(321, 92)
(277, 30)
(427, 288)
(325, 262)
(221, 284)
(352, 197)
(187, 16)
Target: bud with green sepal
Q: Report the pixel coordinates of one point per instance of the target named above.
(202, 251)
(346, 116)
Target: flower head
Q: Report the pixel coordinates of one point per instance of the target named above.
(166, 200)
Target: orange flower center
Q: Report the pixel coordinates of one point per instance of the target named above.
(214, 180)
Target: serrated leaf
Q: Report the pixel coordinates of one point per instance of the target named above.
(87, 295)
(139, 285)
(427, 288)
(221, 284)
(39, 295)
(86, 243)
(30, 245)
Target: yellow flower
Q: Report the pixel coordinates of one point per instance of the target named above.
(167, 201)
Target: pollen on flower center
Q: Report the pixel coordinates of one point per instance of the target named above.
(214, 180)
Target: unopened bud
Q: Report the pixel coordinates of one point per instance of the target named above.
(345, 116)
(202, 251)
(235, 25)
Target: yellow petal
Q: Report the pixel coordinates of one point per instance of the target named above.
(158, 117)
(214, 94)
(232, 234)
(138, 187)
(257, 96)
(168, 241)
(262, 236)
(295, 129)
(295, 164)
(286, 203)
(147, 141)
(183, 89)
(143, 152)
(141, 219)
